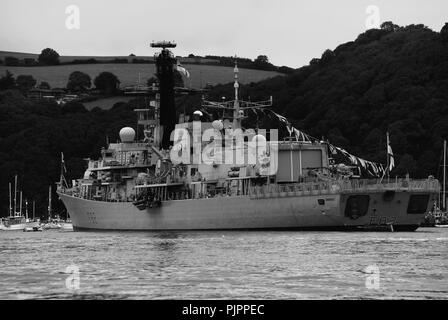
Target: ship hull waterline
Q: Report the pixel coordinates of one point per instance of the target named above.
(312, 212)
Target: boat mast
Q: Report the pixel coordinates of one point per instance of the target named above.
(26, 209)
(49, 203)
(20, 203)
(444, 176)
(34, 208)
(15, 195)
(10, 200)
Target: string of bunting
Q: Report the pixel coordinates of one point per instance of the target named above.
(374, 169)
(299, 135)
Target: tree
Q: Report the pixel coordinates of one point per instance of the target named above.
(73, 107)
(107, 82)
(389, 26)
(327, 56)
(79, 82)
(25, 82)
(11, 61)
(314, 62)
(7, 81)
(44, 85)
(49, 57)
(406, 165)
(262, 59)
(444, 32)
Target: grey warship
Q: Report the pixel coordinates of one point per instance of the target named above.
(185, 180)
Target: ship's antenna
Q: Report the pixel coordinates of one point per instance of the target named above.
(236, 85)
(236, 112)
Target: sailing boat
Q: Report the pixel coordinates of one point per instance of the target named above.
(16, 220)
(36, 225)
(51, 223)
(441, 215)
(67, 224)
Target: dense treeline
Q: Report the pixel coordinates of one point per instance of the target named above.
(33, 135)
(390, 79)
(260, 63)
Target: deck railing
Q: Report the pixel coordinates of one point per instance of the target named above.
(342, 186)
(316, 188)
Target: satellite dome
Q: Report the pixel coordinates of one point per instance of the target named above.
(218, 125)
(259, 138)
(198, 113)
(127, 135)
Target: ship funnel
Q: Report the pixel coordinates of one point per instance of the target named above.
(127, 135)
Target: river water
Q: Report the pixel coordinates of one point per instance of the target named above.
(224, 265)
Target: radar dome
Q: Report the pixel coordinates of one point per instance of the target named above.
(127, 135)
(259, 138)
(198, 113)
(218, 125)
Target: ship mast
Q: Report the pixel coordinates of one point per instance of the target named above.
(49, 203)
(236, 104)
(236, 108)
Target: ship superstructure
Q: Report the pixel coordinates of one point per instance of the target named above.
(216, 174)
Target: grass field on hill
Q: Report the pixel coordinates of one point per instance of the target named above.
(128, 74)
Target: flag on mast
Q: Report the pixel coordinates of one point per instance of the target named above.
(390, 155)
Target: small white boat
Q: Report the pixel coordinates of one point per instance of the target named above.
(52, 226)
(16, 224)
(33, 229)
(67, 226)
(441, 225)
(17, 221)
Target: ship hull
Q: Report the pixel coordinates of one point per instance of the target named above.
(310, 212)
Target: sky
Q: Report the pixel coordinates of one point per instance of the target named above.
(289, 32)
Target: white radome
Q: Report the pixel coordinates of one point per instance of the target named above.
(218, 125)
(259, 138)
(199, 113)
(127, 135)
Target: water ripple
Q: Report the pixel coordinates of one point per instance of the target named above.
(224, 265)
